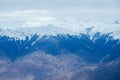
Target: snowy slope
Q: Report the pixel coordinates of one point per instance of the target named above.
(72, 26)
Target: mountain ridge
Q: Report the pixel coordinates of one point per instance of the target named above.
(98, 46)
(72, 26)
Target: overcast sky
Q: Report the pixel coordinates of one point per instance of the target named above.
(57, 5)
(22, 10)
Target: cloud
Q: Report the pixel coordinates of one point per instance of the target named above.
(38, 17)
(24, 15)
(37, 22)
(56, 4)
(31, 11)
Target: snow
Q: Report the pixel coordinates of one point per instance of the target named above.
(72, 26)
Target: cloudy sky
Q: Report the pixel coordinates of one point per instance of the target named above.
(17, 11)
(9, 5)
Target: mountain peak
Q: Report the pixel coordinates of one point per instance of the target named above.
(72, 26)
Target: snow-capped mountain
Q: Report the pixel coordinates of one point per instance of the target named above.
(72, 26)
(60, 51)
(72, 35)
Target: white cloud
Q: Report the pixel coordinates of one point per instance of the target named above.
(36, 18)
(24, 15)
(37, 22)
(31, 11)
